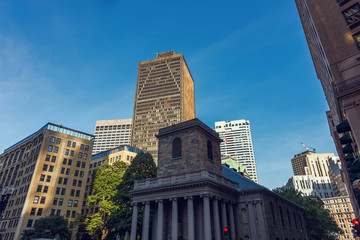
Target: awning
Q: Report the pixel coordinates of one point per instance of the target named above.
(343, 127)
(346, 139)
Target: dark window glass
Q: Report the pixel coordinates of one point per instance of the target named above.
(58, 140)
(69, 162)
(352, 14)
(33, 210)
(176, 148)
(52, 139)
(209, 150)
(47, 158)
(46, 188)
(61, 201)
(39, 188)
(56, 149)
(53, 159)
(69, 143)
(50, 148)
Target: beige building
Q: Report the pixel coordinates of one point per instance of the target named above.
(341, 210)
(337, 177)
(164, 96)
(311, 163)
(123, 153)
(111, 133)
(43, 174)
(332, 30)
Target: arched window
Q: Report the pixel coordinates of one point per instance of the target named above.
(281, 217)
(288, 215)
(176, 148)
(295, 221)
(272, 212)
(209, 150)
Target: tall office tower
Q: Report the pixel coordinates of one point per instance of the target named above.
(332, 30)
(311, 163)
(164, 96)
(336, 175)
(111, 133)
(43, 174)
(237, 143)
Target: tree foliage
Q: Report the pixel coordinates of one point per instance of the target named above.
(104, 188)
(142, 167)
(49, 227)
(318, 221)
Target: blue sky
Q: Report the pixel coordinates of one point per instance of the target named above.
(75, 62)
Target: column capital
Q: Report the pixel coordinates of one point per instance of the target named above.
(173, 199)
(205, 195)
(146, 202)
(134, 203)
(188, 197)
(158, 200)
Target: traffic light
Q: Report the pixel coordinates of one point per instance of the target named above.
(226, 233)
(356, 227)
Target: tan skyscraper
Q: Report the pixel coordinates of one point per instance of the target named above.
(164, 96)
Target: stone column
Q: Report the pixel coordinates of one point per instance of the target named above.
(252, 221)
(160, 220)
(216, 219)
(207, 217)
(232, 221)
(134, 222)
(174, 219)
(223, 214)
(261, 219)
(146, 222)
(154, 226)
(237, 220)
(191, 223)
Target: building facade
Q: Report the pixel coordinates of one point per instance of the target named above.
(43, 174)
(164, 96)
(237, 143)
(111, 133)
(195, 197)
(311, 186)
(123, 153)
(341, 210)
(337, 178)
(311, 163)
(332, 30)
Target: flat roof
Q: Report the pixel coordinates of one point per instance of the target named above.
(55, 128)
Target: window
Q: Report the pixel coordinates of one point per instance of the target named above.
(33, 210)
(29, 223)
(78, 163)
(73, 214)
(45, 167)
(53, 159)
(209, 150)
(76, 173)
(58, 212)
(71, 153)
(51, 168)
(50, 148)
(80, 155)
(47, 158)
(74, 144)
(81, 173)
(83, 165)
(68, 143)
(58, 140)
(77, 193)
(72, 193)
(57, 190)
(56, 149)
(61, 201)
(46, 188)
(357, 39)
(63, 190)
(42, 177)
(36, 199)
(39, 188)
(74, 182)
(65, 181)
(70, 203)
(69, 162)
(60, 180)
(52, 139)
(48, 178)
(62, 170)
(42, 200)
(67, 152)
(79, 183)
(52, 212)
(68, 213)
(55, 201)
(352, 14)
(176, 148)
(86, 148)
(67, 171)
(85, 156)
(82, 146)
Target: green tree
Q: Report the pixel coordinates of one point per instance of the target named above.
(142, 167)
(103, 188)
(318, 221)
(49, 227)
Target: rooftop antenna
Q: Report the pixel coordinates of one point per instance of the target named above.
(307, 149)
